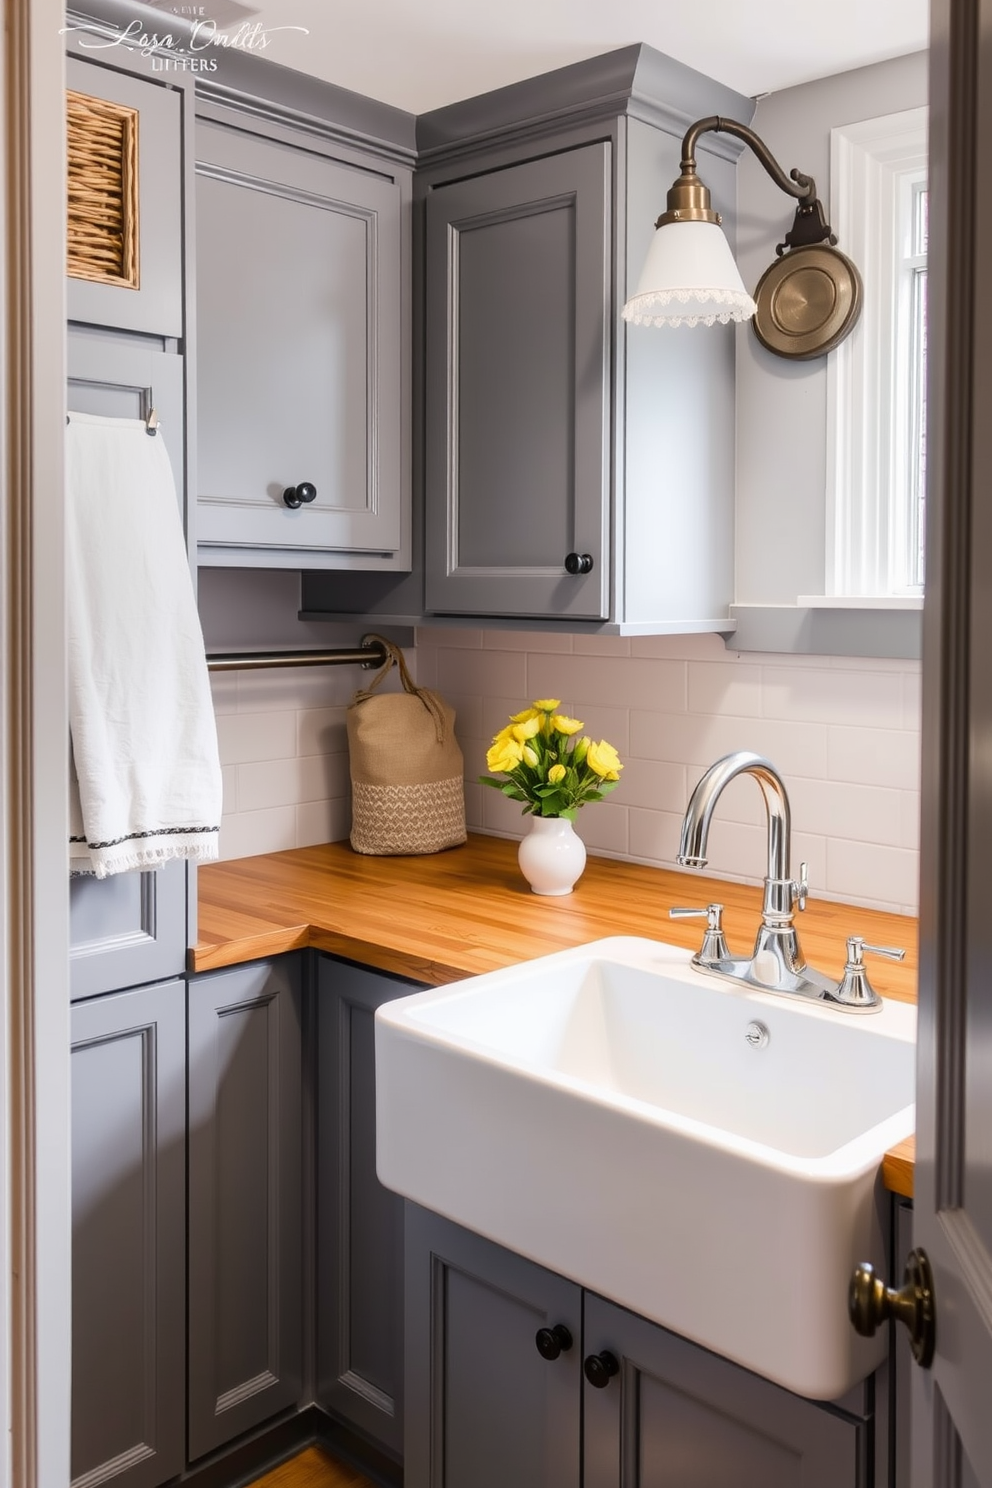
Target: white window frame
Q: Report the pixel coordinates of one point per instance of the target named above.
(873, 164)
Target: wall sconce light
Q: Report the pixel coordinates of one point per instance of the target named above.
(805, 303)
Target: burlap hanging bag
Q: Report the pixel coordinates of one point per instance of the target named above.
(407, 786)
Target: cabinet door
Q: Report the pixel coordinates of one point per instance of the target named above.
(359, 1223)
(676, 1416)
(153, 301)
(131, 928)
(245, 1199)
(518, 388)
(483, 1408)
(300, 349)
(128, 1236)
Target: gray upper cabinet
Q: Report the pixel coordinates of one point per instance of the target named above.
(245, 1199)
(518, 407)
(553, 429)
(303, 350)
(143, 129)
(128, 1237)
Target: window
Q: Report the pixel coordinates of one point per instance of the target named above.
(876, 436)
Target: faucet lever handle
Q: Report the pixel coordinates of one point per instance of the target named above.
(856, 948)
(854, 989)
(800, 887)
(711, 914)
(714, 948)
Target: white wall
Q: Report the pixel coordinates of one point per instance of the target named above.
(782, 405)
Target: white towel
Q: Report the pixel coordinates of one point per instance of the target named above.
(144, 738)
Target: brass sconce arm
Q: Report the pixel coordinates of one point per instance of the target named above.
(689, 200)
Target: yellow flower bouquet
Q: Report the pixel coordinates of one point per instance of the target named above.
(547, 765)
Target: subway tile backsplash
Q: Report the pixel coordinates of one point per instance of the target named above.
(843, 732)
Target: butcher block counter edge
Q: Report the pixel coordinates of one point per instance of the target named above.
(444, 916)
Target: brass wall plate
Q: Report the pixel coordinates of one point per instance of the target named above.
(808, 301)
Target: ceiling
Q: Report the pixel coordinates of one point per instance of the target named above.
(420, 56)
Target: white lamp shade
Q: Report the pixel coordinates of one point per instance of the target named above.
(689, 277)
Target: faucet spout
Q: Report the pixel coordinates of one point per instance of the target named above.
(696, 826)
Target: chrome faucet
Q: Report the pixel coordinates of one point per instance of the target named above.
(777, 963)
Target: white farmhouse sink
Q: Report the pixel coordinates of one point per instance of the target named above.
(604, 1112)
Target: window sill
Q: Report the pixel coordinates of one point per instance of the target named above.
(860, 602)
(816, 626)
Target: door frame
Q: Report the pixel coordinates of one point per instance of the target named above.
(950, 1401)
(34, 980)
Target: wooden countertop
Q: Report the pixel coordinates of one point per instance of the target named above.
(444, 916)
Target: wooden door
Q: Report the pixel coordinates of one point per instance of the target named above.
(952, 1420)
(519, 272)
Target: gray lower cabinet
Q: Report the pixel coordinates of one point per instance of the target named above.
(359, 1249)
(302, 350)
(676, 1416)
(484, 1409)
(128, 1237)
(245, 1199)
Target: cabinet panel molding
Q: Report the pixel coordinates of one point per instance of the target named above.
(245, 1187)
(483, 1408)
(359, 1223)
(301, 319)
(518, 387)
(129, 1226)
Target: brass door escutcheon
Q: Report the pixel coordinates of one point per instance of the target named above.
(870, 1302)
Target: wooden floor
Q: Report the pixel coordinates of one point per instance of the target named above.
(313, 1468)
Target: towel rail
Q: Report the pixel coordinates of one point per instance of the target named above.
(369, 654)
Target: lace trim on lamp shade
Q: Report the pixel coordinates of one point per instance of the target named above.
(638, 309)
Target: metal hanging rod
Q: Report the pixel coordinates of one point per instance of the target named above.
(369, 654)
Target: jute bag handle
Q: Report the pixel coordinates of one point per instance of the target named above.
(395, 657)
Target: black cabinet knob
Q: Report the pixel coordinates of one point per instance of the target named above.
(578, 563)
(600, 1369)
(553, 1341)
(295, 496)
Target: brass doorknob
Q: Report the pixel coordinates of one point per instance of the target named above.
(870, 1303)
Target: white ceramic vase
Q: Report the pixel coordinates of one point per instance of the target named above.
(552, 855)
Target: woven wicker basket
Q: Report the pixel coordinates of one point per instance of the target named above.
(102, 141)
(407, 786)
